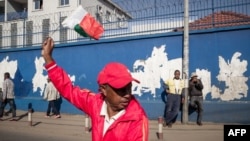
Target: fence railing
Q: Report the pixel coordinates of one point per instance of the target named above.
(151, 17)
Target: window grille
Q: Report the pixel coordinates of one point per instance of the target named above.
(29, 32)
(63, 31)
(45, 29)
(13, 34)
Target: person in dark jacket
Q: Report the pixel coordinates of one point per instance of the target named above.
(196, 97)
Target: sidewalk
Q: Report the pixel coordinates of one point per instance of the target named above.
(71, 127)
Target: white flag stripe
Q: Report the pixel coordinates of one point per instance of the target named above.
(75, 18)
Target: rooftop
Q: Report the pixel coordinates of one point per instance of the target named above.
(220, 19)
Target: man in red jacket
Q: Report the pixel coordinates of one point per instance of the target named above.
(115, 113)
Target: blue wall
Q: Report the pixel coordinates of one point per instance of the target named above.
(85, 59)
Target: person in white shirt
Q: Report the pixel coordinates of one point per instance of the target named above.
(8, 96)
(51, 95)
(174, 90)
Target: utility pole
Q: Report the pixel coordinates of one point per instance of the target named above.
(5, 11)
(185, 61)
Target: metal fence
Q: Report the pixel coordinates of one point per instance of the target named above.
(13, 16)
(148, 17)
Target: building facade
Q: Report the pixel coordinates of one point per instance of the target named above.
(26, 23)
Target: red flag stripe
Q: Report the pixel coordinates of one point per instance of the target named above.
(92, 27)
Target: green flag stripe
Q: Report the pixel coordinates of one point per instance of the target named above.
(80, 31)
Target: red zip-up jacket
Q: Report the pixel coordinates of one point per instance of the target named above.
(132, 126)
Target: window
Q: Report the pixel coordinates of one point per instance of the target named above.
(63, 31)
(38, 4)
(122, 22)
(99, 10)
(29, 32)
(13, 34)
(100, 16)
(64, 2)
(46, 27)
(108, 16)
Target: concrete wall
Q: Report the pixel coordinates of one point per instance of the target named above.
(219, 57)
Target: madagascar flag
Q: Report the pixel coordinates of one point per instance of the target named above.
(83, 23)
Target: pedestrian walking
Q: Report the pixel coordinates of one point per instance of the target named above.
(8, 96)
(51, 95)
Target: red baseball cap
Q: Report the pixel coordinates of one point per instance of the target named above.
(116, 75)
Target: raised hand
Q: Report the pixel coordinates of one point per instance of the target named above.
(47, 50)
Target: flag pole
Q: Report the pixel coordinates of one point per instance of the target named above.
(54, 31)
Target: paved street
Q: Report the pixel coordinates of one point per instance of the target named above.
(71, 127)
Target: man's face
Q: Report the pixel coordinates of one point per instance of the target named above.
(118, 99)
(5, 76)
(194, 79)
(177, 75)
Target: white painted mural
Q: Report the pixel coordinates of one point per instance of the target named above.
(158, 67)
(7, 65)
(155, 69)
(152, 70)
(232, 75)
(39, 80)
